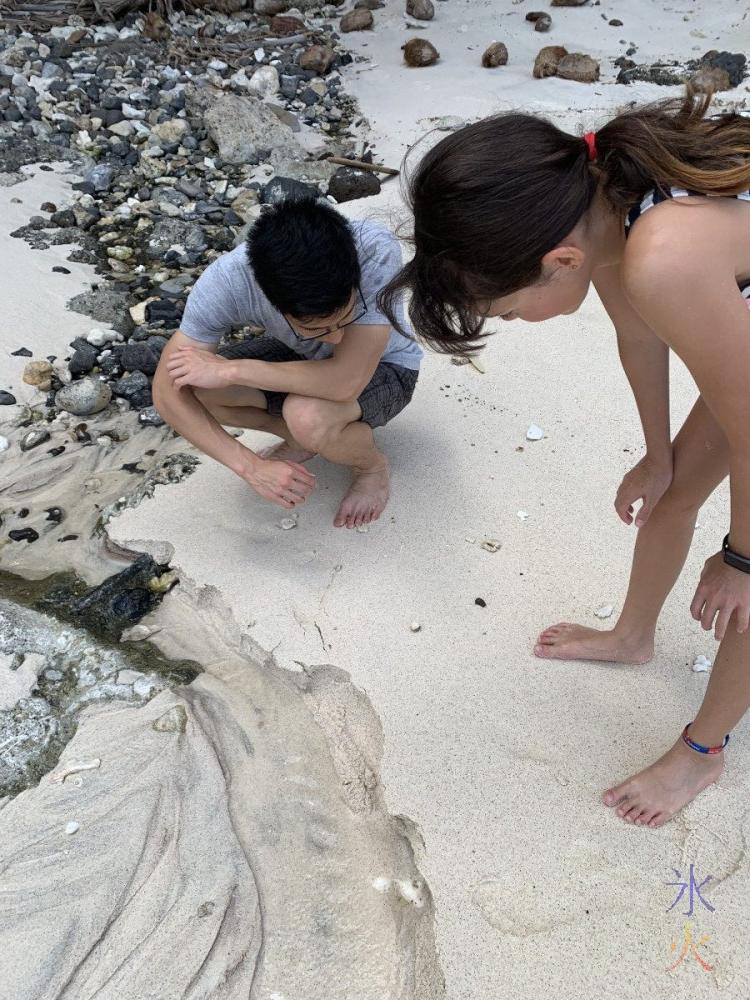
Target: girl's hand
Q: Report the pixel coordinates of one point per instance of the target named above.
(201, 369)
(647, 481)
(725, 591)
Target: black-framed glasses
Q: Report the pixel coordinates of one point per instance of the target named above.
(333, 329)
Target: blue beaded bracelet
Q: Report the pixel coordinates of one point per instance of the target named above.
(699, 746)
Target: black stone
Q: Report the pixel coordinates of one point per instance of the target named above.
(23, 512)
(163, 309)
(139, 358)
(480, 602)
(65, 218)
(83, 359)
(22, 352)
(57, 269)
(132, 467)
(6, 398)
(157, 344)
(67, 538)
(348, 183)
(734, 63)
(55, 514)
(23, 535)
(56, 451)
(286, 189)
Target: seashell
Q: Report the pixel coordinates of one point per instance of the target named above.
(287, 523)
(72, 827)
(701, 664)
(534, 433)
(492, 545)
(605, 611)
(415, 627)
(363, 529)
(522, 515)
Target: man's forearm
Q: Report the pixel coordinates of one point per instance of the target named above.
(646, 365)
(185, 414)
(321, 379)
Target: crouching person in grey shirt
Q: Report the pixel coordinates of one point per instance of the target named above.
(326, 371)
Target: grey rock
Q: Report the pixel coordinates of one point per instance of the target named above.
(579, 67)
(170, 232)
(242, 126)
(7, 398)
(101, 176)
(134, 387)
(105, 305)
(360, 19)
(151, 417)
(87, 396)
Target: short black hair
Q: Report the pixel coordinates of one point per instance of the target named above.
(304, 259)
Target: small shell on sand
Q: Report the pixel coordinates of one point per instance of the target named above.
(415, 627)
(492, 545)
(363, 529)
(72, 827)
(605, 611)
(522, 515)
(701, 664)
(173, 721)
(534, 433)
(4, 443)
(287, 523)
(73, 767)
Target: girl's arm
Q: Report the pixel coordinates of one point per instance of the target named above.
(693, 301)
(645, 359)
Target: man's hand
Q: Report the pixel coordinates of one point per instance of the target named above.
(647, 481)
(723, 591)
(287, 484)
(201, 369)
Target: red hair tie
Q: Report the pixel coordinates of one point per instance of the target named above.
(590, 139)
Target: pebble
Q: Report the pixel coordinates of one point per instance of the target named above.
(23, 535)
(541, 20)
(6, 398)
(701, 664)
(82, 398)
(72, 827)
(522, 515)
(605, 611)
(38, 373)
(34, 438)
(547, 61)
(420, 52)
(423, 10)
(480, 602)
(579, 67)
(495, 54)
(359, 19)
(4, 443)
(415, 627)
(98, 338)
(287, 523)
(151, 417)
(348, 183)
(492, 545)
(534, 433)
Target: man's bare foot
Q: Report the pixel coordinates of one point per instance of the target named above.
(577, 642)
(654, 796)
(366, 499)
(285, 452)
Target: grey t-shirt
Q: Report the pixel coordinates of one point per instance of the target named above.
(227, 295)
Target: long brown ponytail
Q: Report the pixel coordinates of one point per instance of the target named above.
(490, 200)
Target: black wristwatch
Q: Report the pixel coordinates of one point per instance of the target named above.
(732, 558)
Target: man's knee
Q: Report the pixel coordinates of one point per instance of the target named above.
(309, 421)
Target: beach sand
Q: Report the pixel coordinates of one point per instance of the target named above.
(498, 757)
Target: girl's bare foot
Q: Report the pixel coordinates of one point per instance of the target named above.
(286, 452)
(577, 642)
(366, 499)
(654, 796)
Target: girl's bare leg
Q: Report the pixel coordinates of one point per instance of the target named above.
(701, 462)
(652, 797)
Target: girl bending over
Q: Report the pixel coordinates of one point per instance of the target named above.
(515, 218)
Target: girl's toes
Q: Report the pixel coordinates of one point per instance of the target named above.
(543, 651)
(629, 815)
(658, 820)
(612, 797)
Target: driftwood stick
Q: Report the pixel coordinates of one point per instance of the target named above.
(375, 168)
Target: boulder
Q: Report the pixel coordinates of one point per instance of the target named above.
(87, 396)
(579, 67)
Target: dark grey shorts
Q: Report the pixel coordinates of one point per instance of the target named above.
(389, 390)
